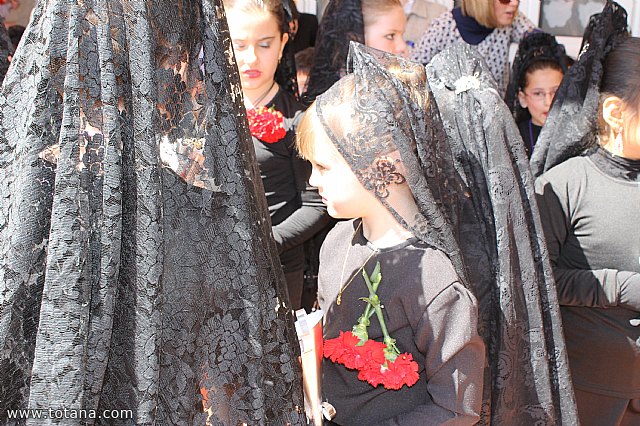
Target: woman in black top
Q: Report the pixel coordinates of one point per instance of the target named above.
(259, 35)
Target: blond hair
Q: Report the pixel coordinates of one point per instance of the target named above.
(480, 10)
(372, 9)
(307, 128)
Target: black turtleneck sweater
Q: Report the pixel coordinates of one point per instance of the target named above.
(589, 207)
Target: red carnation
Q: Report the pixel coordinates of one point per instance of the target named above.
(378, 363)
(373, 375)
(334, 349)
(402, 371)
(266, 124)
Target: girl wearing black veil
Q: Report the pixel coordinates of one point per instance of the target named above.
(138, 268)
(380, 159)
(500, 235)
(588, 196)
(537, 71)
(345, 21)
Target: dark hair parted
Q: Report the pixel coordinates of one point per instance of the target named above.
(537, 65)
(274, 7)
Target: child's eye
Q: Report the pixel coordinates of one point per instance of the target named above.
(390, 36)
(320, 167)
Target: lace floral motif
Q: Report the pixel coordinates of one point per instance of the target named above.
(382, 175)
(134, 273)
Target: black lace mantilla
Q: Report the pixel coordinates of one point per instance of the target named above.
(527, 377)
(342, 23)
(570, 128)
(537, 46)
(138, 267)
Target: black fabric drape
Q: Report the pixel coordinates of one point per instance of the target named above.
(572, 121)
(341, 23)
(6, 49)
(138, 267)
(499, 231)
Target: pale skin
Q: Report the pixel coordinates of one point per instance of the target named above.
(346, 198)
(621, 118)
(385, 32)
(543, 82)
(505, 13)
(258, 45)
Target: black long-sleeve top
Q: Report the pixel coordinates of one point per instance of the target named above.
(589, 207)
(429, 313)
(296, 209)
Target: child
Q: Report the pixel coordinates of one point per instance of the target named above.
(538, 69)
(376, 23)
(589, 206)
(363, 137)
(259, 35)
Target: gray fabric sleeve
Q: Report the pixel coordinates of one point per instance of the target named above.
(455, 355)
(600, 288)
(311, 216)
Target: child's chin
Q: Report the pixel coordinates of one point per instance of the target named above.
(334, 213)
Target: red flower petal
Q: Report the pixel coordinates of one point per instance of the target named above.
(335, 349)
(402, 371)
(266, 125)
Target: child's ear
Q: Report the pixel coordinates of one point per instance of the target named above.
(612, 108)
(285, 39)
(522, 99)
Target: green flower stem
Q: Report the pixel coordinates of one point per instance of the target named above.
(373, 281)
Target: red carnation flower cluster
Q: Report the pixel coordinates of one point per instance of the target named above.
(378, 363)
(370, 361)
(266, 124)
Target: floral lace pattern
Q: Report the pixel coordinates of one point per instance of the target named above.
(130, 280)
(527, 378)
(570, 126)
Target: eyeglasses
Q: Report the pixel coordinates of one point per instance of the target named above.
(541, 95)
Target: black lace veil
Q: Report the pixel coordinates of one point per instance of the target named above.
(527, 378)
(388, 97)
(138, 268)
(286, 71)
(535, 47)
(341, 23)
(570, 126)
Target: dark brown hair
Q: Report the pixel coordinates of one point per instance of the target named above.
(621, 78)
(538, 65)
(274, 7)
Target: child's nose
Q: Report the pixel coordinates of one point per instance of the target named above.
(250, 55)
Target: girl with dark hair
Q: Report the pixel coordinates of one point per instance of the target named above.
(538, 69)
(259, 33)
(589, 206)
